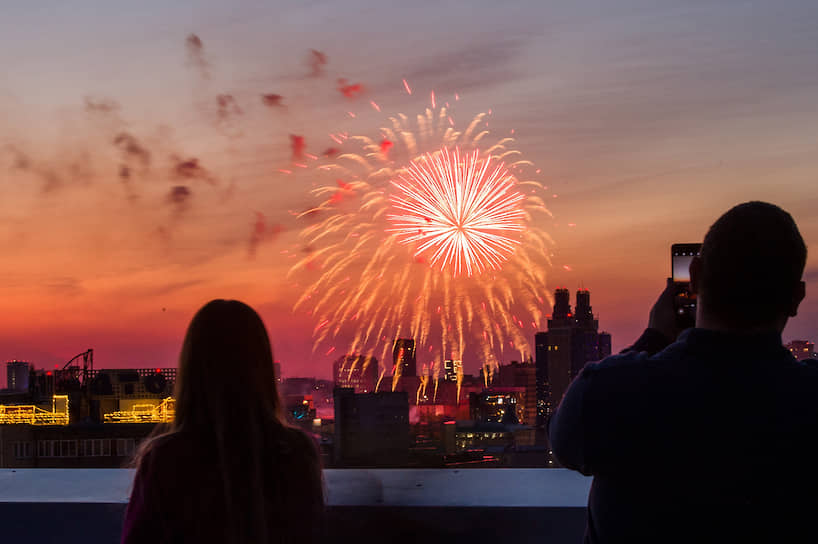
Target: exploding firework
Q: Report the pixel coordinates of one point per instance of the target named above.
(438, 240)
(461, 208)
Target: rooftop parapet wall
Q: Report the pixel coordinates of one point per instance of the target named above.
(417, 505)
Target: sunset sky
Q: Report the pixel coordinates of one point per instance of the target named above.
(647, 119)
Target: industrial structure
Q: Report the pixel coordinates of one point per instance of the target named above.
(30, 414)
(76, 416)
(78, 393)
(163, 412)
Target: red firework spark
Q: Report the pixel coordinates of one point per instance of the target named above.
(462, 209)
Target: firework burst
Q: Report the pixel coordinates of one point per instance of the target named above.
(434, 237)
(461, 208)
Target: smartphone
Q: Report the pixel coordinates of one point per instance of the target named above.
(684, 302)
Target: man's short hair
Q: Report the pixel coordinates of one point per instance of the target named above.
(752, 258)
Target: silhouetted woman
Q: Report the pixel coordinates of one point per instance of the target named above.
(228, 469)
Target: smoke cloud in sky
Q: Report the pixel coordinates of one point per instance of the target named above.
(132, 150)
(196, 55)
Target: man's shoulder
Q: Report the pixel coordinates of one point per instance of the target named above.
(622, 362)
(678, 360)
(633, 369)
(804, 372)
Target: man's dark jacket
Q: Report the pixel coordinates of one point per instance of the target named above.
(713, 438)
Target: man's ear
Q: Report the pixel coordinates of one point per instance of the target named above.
(797, 296)
(695, 274)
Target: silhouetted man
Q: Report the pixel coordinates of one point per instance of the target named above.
(711, 437)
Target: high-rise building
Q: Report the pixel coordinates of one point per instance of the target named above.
(497, 405)
(451, 368)
(604, 345)
(521, 375)
(403, 354)
(559, 346)
(571, 341)
(586, 336)
(584, 313)
(372, 429)
(802, 350)
(356, 371)
(543, 385)
(17, 375)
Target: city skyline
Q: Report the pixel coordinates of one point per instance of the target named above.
(357, 370)
(647, 122)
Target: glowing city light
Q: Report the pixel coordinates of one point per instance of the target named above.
(34, 415)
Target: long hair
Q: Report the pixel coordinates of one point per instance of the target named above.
(226, 394)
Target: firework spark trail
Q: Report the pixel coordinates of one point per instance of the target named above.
(436, 375)
(424, 379)
(393, 294)
(378, 385)
(489, 368)
(459, 382)
(397, 372)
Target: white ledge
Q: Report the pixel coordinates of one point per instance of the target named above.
(493, 487)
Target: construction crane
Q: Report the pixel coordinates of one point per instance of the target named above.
(87, 366)
(32, 414)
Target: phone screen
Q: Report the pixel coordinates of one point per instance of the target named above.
(681, 266)
(684, 301)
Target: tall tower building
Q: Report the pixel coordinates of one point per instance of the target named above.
(562, 304)
(604, 345)
(572, 340)
(403, 354)
(559, 344)
(17, 375)
(584, 312)
(543, 386)
(586, 336)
